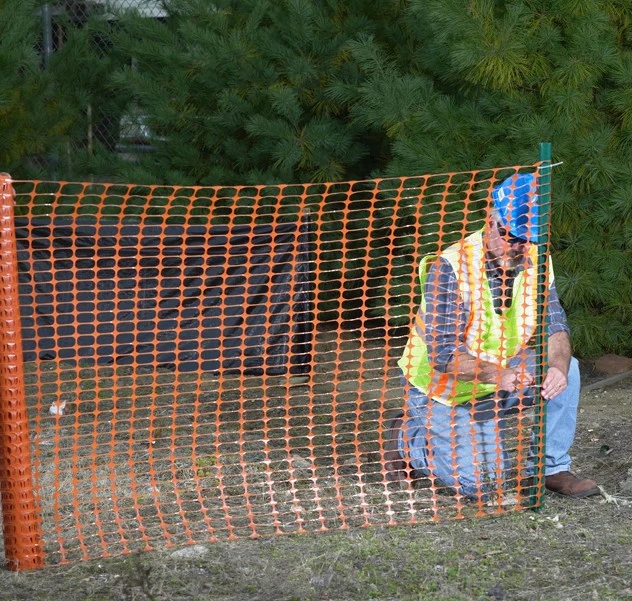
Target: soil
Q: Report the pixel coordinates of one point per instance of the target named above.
(568, 550)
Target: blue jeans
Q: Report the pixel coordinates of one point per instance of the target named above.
(463, 446)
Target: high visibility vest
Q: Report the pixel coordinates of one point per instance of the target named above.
(488, 336)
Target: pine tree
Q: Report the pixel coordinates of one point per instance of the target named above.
(262, 91)
(234, 91)
(82, 69)
(30, 123)
(504, 76)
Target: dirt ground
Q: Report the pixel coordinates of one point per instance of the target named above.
(569, 550)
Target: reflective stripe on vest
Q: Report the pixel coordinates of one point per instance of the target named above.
(488, 336)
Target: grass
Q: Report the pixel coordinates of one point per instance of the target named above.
(147, 458)
(561, 553)
(569, 551)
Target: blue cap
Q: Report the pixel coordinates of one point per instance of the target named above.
(516, 201)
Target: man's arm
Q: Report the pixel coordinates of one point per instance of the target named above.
(559, 352)
(556, 380)
(559, 358)
(469, 368)
(445, 319)
(444, 316)
(558, 349)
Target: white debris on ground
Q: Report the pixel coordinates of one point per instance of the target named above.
(190, 552)
(57, 408)
(508, 501)
(555, 520)
(618, 501)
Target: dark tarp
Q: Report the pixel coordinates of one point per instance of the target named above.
(215, 298)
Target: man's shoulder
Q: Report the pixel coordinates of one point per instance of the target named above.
(473, 240)
(440, 267)
(458, 251)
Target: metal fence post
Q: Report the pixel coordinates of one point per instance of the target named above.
(47, 33)
(544, 200)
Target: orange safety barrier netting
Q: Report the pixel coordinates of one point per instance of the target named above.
(204, 363)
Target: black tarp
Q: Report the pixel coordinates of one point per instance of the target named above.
(215, 298)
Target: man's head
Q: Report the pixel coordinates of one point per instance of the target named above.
(516, 205)
(514, 219)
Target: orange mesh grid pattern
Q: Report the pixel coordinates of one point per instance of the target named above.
(208, 363)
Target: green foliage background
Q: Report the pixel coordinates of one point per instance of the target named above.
(31, 122)
(264, 91)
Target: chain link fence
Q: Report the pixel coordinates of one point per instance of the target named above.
(106, 125)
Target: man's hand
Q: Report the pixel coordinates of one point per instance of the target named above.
(469, 368)
(514, 380)
(556, 379)
(555, 382)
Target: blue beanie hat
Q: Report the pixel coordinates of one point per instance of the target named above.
(516, 201)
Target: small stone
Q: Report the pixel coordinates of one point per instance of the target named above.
(298, 380)
(321, 580)
(300, 463)
(496, 592)
(626, 486)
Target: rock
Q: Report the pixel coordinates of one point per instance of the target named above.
(300, 463)
(496, 592)
(626, 485)
(613, 364)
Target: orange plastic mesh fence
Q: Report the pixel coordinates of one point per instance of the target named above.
(205, 363)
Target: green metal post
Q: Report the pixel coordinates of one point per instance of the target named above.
(544, 230)
(47, 33)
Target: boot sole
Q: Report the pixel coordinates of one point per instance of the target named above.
(583, 495)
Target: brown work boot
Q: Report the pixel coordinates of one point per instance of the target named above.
(394, 465)
(569, 485)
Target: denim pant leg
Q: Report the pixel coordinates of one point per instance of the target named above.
(561, 420)
(448, 443)
(465, 449)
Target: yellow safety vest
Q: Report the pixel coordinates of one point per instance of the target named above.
(488, 336)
